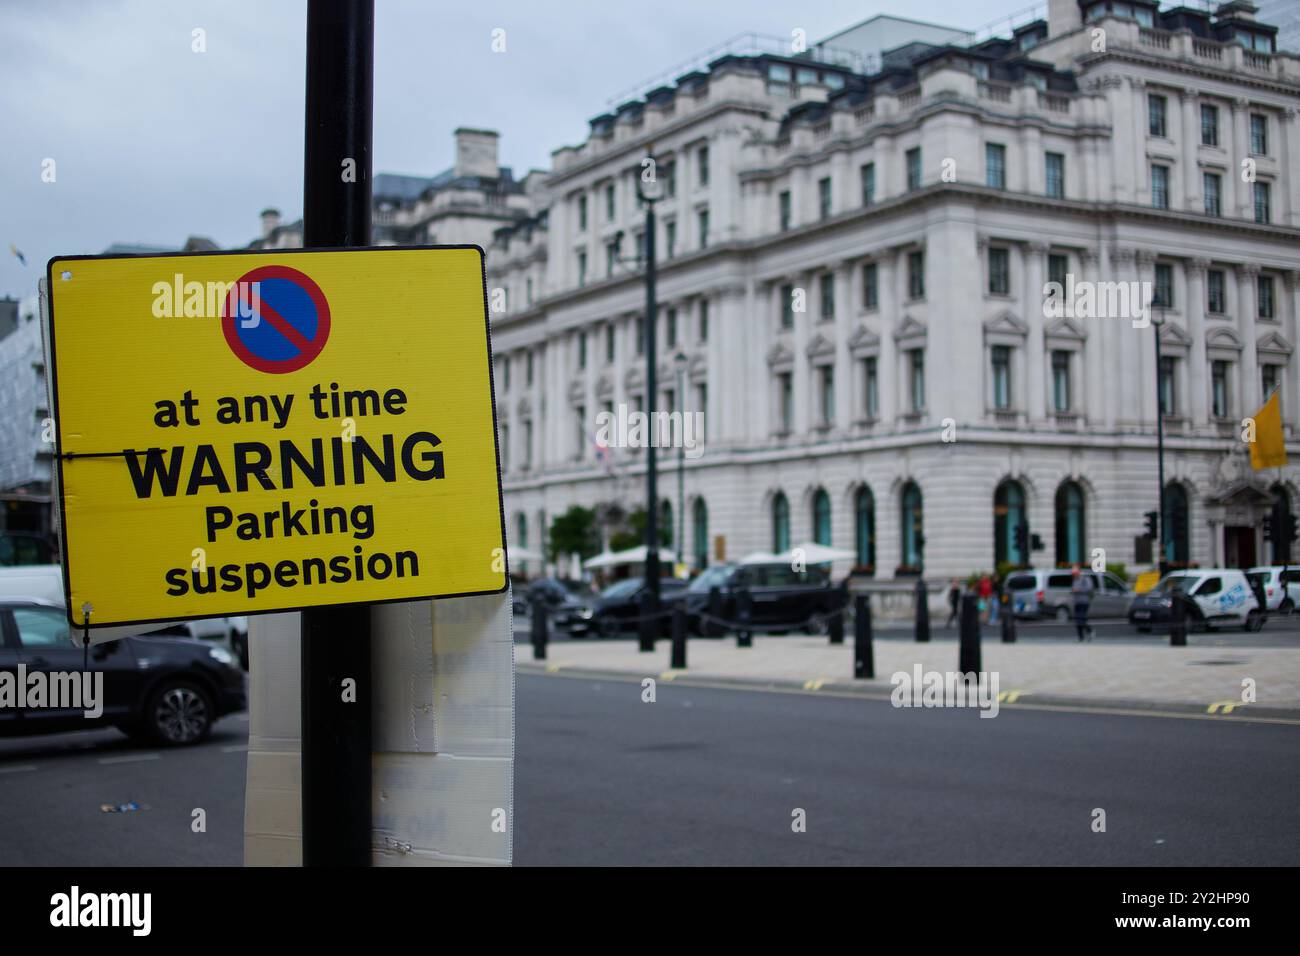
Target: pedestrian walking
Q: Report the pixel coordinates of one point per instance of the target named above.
(985, 593)
(995, 599)
(954, 603)
(1081, 591)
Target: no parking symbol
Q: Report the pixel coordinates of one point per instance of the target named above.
(282, 326)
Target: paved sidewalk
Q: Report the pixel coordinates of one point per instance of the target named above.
(1134, 675)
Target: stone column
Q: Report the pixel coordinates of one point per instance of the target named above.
(1198, 374)
(1250, 393)
(1289, 135)
(1187, 154)
(1121, 352)
(1238, 150)
(1143, 377)
(890, 314)
(845, 310)
(1035, 353)
(1098, 403)
(1137, 189)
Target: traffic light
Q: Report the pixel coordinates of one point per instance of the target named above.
(1022, 540)
(1268, 527)
(1291, 531)
(1153, 524)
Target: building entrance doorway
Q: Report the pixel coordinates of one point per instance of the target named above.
(1239, 546)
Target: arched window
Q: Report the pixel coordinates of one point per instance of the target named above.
(1281, 526)
(700, 523)
(912, 527)
(822, 517)
(1177, 526)
(780, 523)
(864, 523)
(1008, 515)
(1069, 524)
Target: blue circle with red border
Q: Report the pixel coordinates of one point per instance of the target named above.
(287, 329)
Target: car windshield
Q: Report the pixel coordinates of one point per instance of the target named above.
(577, 588)
(622, 588)
(1166, 584)
(714, 577)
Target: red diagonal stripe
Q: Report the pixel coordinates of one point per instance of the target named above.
(283, 327)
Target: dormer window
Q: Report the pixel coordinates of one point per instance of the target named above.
(981, 69)
(778, 73)
(1036, 80)
(1143, 16)
(1029, 41)
(806, 76)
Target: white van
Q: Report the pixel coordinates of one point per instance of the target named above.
(1220, 596)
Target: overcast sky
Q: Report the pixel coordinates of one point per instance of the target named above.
(153, 142)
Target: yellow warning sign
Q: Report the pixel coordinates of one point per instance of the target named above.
(250, 432)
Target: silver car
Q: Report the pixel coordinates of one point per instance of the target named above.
(1038, 592)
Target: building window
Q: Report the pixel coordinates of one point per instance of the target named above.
(1219, 389)
(1001, 376)
(864, 526)
(780, 523)
(582, 269)
(1209, 125)
(787, 306)
(824, 197)
(700, 529)
(580, 431)
(1212, 186)
(916, 379)
(611, 258)
(529, 287)
(868, 174)
(914, 168)
(702, 165)
(1157, 113)
(1281, 512)
(911, 527)
(670, 179)
(916, 275)
(1058, 268)
(1160, 186)
(1258, 134)
(640, 335)
(870, 286)
(1176, 526)
(702, 219)
(1268, 378)
(528, 444)
(783, 202)
(1167, 390)
(1061, 381)
(505, 374)
(1215, 297)
(503, 441)
(1008, 515)
(609, 202)
(670, 326)
(704, 320)
(1163, 297)
(702, 397)
(995, 165)
(826, 388)
(821, 517)
(826, 286)
(528, 368)
(785, 400)
(609, 343)
(582, 350)
(871, 385)
(1264, 296)
(1262, 204)
(1069, 524)
(1055, 175)
(582, 213)
(999, 271)
(666, 521)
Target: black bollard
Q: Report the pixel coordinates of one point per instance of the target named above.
(864, 659)
(1178, 623)
(539, 628)
(679, 638)
(835, 625)
(744, 638)
(922, 612)
(715, 611)
(968, 655)
(648, 625)
(1008, 623)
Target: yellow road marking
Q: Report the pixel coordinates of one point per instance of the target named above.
(815, 684)
(1223, 706)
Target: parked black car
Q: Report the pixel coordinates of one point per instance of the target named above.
(570, 604)
(781, 598)
(620, 604)
(168, 689)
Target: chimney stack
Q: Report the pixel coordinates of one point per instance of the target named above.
(270, 221)
(1063, 16)
(476, 153)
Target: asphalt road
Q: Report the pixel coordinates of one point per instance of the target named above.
(710, 776)
(706, 776)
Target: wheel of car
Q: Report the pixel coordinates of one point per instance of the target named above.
(179, 712)
(1287, 606)
(1062, 613)
(818, 626)
(1254, 621)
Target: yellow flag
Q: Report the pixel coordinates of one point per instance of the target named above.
(1268, 450)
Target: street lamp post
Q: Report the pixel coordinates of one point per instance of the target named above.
(1162, 535)
(650, 197)
(681, 362)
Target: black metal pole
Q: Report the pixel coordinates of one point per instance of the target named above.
(336, 640)
(864, 661)
(651, 390)
(968, 647)
(1162, 530)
